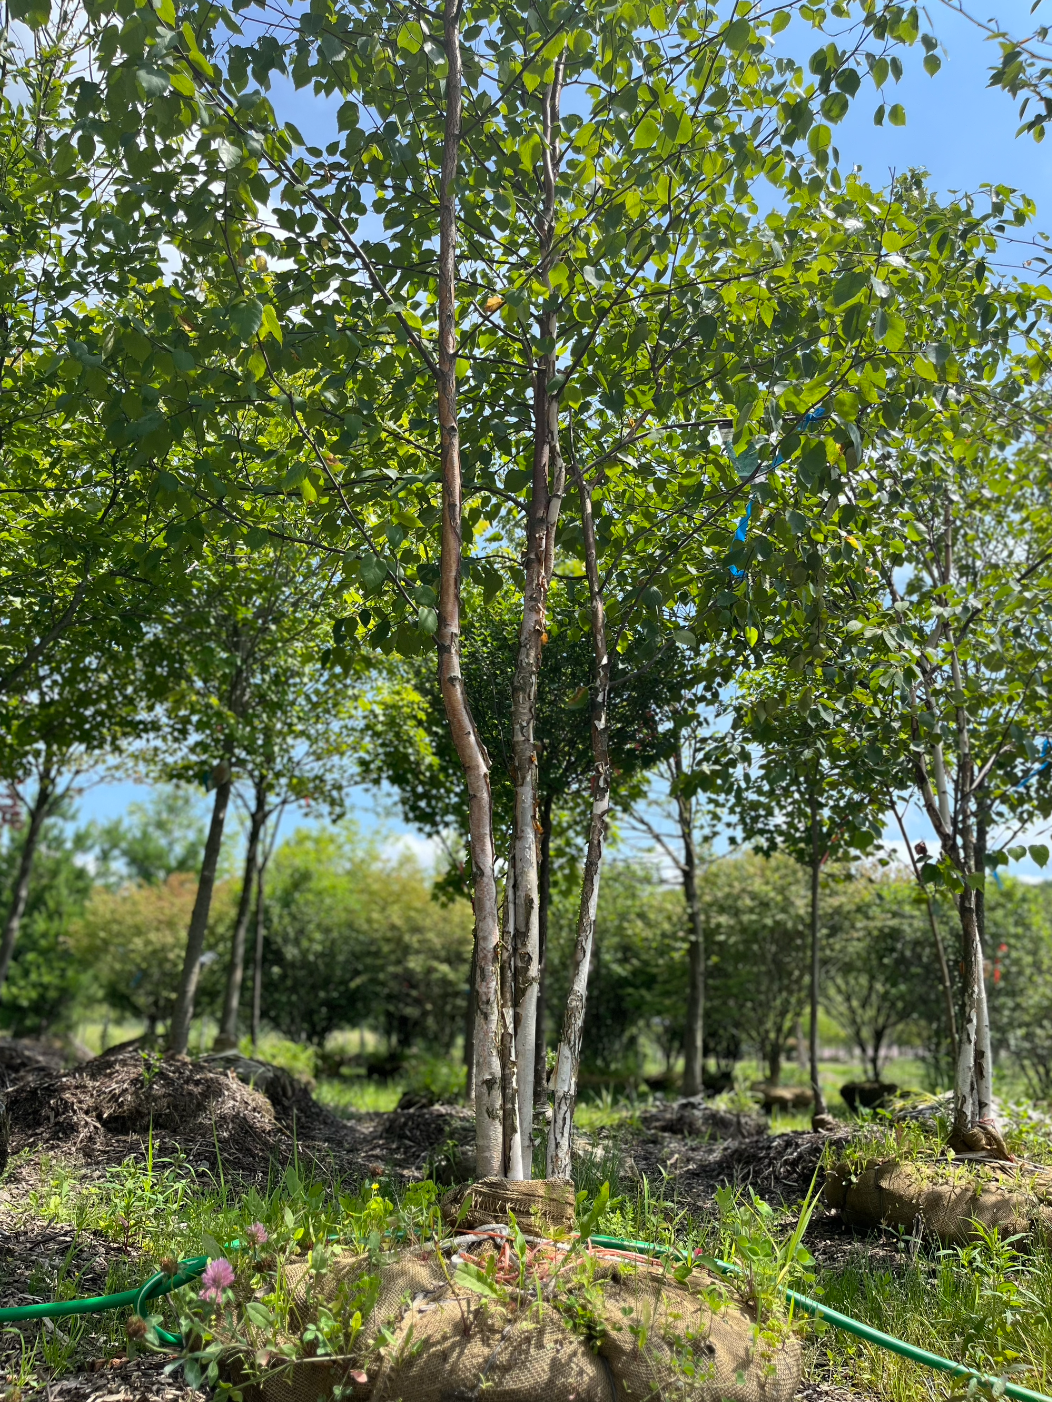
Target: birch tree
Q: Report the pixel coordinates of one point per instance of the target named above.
(536, 261)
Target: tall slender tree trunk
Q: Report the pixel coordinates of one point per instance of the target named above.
(512, 1144)
(469, 1026)
(226, 1039)
(694, 1042)
(542, 518)
(820, 1116)
(179, 1032)
(984, 1078)
(17, 909)
(568, 1060)
(257, 962)
(469, 747)
(540, 1058)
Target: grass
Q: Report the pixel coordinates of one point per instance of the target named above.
(359, 1096)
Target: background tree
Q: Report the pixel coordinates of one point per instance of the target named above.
(45, 981)
(880, 959)
(757, 928)
(231, 650)
(156, 839)
(134, 940)
(686, 773)
(353, 937)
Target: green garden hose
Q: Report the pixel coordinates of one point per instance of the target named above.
(157, 1285)
(162, 1284)
(998, 1386)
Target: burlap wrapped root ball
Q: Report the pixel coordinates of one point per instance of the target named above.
(949, 1199)
(601, 1332)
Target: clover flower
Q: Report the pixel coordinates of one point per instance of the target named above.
(218, 1276)
(257, 1234)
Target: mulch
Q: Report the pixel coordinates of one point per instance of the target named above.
(778, 1167)
(203, 1116)
(140, 1379)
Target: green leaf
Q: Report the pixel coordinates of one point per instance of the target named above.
(153, 81)
(1039, 853)
(932, 64)
(737, 34)
(34, 13)
(469, 1277)
(595, 1213)
(372, 571)
(897, 115)
(166, 12)
(259, 1315)
(246, 317)
(427, 619)
(1017, 853)
(894, 328)
(848, 286)
(835, 107)
(269, 325)
(647, 133)
(229, 155)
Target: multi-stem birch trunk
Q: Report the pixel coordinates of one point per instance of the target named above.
(179, 1032)
(974, 1121)
(542, 518)
(38, 811)
(568, 1057)
(469, 747)
(226, 1039)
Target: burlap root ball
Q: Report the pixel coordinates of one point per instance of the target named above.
(946, 1198)
(612, 1333)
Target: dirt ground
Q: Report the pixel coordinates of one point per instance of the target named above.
(248, 1119)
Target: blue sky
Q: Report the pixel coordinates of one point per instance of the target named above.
(958, 129)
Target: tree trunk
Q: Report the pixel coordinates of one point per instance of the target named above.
(469, 747)
(984, 1077)
(179, 1032)
(694, 1043)
(774, 1063)
(820, 1111)
(541, 521)
(965, 1091)
(37, 813)
(560, 1134)
(226, 1039)
(257, 962)
(512, 1154)
(540, 1056)
(469, 1026)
